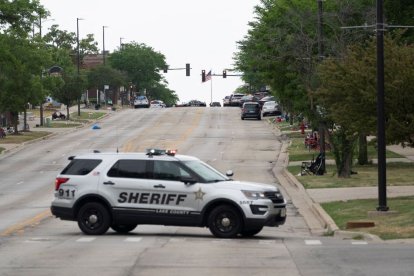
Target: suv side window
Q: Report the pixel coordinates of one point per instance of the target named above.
(81, 166)
(129, 169)
(168, 170)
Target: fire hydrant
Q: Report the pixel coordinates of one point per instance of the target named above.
(302, 128)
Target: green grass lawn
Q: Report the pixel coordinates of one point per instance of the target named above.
(398, 174)
(86, 116)
(298, 151)
(393, 226)
(23, 137)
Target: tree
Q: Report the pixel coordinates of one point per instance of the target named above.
(348, 93)
(22, 63)
(18, 16)
(141, 64)
(281, 48)
(100, 76)
(70, 89)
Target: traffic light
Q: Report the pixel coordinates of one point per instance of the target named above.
(187, 69)
(203, 75)
(224, 74)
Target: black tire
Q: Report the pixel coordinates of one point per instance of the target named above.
(242, 118)
(225, 221)
(259, 118)
(123, 228)
(250, 232)
(93, 219)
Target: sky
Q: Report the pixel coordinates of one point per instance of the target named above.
(202, 33)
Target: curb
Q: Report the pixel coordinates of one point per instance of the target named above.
(317, 219)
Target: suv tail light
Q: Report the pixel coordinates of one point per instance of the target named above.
(59, 181)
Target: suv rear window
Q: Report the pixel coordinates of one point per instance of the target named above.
(251, 106)
(129, 169)
(81, 166)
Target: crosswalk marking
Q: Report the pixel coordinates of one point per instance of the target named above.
(313, 242)
(133, 239)
(181, 240)
(267, 242)
(359, 243)
(85, 239)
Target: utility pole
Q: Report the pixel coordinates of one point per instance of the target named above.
(78, 58)
(120, 42)
(103, 44)
(41, 102)
(320, 58)
(382, 176)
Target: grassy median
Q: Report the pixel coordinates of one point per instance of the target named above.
(398, 225)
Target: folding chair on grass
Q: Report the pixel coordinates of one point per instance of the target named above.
(314, 167)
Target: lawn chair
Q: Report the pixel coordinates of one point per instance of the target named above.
(314, 167)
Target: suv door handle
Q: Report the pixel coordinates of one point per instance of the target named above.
(109, 183)
(159, 186)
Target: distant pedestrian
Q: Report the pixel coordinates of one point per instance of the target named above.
(2, 133)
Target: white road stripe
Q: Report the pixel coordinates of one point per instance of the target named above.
(359, 243)
(313, 242)
(133, 239)
(85, 239)
(177, 240)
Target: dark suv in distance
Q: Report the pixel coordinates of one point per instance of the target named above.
(251, 110)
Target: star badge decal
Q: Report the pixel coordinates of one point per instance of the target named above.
(199, 194)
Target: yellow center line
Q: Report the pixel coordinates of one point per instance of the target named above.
(29, 222)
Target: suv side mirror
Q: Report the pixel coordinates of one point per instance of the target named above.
(229, 173)
(188, 180)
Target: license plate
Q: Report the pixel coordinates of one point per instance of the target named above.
(283, 212)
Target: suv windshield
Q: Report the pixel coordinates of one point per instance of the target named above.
(206, 172)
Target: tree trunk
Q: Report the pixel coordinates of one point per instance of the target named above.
(343, 151)
(362, 149)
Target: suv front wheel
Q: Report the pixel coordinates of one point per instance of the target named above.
(93, 219)
(123, 228)
(225, 221)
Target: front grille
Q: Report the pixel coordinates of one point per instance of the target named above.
(275, 197)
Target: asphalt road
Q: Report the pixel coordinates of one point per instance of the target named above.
(34, 243)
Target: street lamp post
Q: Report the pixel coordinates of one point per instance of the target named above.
(78, 56)
(103, 44)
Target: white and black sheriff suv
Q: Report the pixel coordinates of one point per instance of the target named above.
(122, 190)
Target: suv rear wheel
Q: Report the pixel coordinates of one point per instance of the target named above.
(225, 221)
(93, 219)
(123, 228)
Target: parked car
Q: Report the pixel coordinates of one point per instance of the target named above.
(248, 98)
(251, 110)
(235, 99)
(157, 104)
(196, 103)
(226, 101)
(266, 99)
(141, 101)
(271, 108)
(213, 104)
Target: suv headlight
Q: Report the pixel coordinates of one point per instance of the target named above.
(254, 194)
